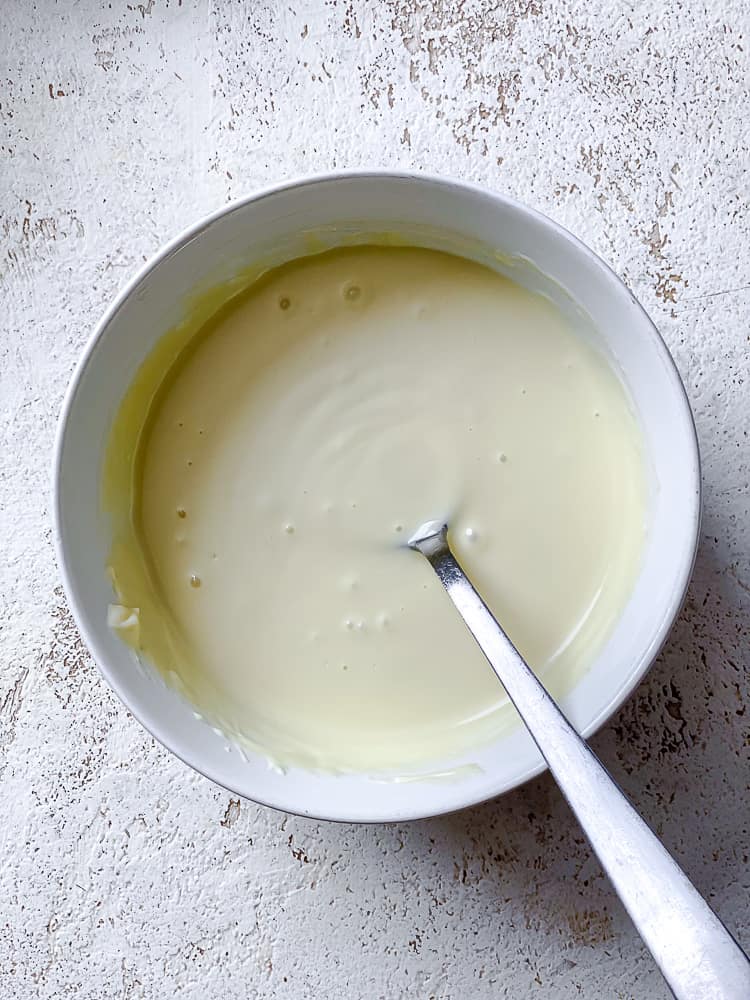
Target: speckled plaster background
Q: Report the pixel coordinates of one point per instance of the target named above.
(124, 874)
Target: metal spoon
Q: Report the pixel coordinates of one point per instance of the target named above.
(698, 957)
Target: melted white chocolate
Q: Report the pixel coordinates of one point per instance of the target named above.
(337, 405)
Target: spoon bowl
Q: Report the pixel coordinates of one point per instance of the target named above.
(276, 225)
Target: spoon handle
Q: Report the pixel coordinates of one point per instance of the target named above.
(696, 954)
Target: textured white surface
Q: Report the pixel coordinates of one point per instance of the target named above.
(125, 874)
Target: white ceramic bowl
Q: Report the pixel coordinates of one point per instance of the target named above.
(276, 225)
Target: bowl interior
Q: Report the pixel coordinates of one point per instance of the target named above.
(286, 222)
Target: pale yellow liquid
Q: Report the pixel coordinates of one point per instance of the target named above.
(304, 436)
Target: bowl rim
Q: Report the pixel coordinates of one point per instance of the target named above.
(683, 572)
